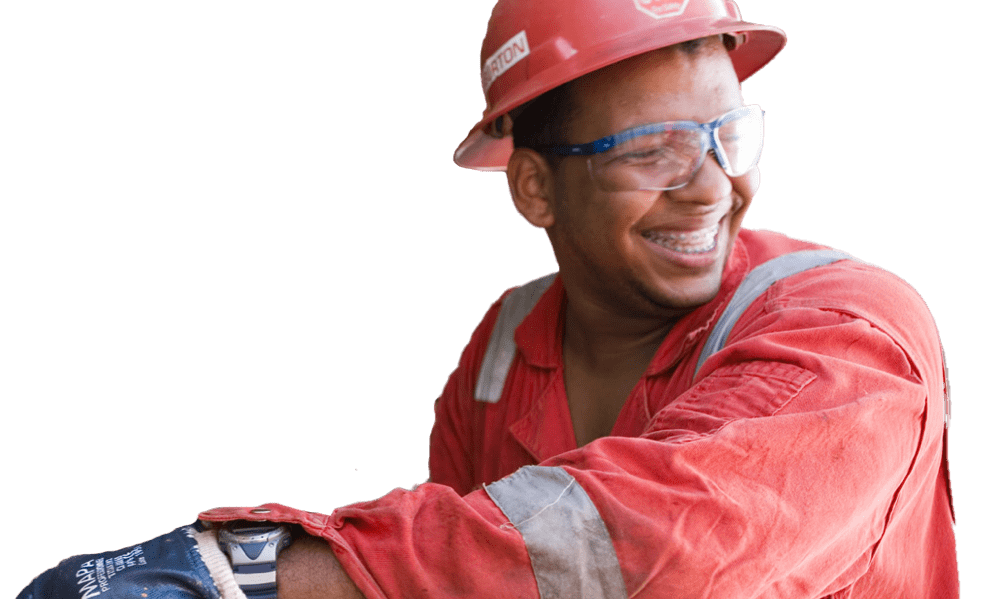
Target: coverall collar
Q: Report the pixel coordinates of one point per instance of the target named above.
(539, 336)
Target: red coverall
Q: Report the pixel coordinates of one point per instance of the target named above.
(805, 460)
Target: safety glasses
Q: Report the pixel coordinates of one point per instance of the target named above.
(667, 155)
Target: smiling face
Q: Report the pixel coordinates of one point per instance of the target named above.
(648, 253)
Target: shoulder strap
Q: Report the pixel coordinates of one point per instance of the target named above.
(502, 347)
(756, 283)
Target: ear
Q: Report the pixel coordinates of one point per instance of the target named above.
(532, 187)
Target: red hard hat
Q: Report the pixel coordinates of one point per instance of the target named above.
(532, 46)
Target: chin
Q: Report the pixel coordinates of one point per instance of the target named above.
(678, 298)
(693, 300)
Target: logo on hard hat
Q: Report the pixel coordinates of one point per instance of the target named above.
(510, 53)
(659, 9)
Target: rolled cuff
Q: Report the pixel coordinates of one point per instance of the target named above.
(312, 523)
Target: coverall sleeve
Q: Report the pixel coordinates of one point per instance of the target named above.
(777, 474)
(781, 471)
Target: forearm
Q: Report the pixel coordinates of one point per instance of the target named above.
(308, 570)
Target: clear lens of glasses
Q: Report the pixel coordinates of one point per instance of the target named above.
(668, 156)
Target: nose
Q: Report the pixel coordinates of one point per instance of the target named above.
(709, 185)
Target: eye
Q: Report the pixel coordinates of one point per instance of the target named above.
(642, 152)
(644, 155)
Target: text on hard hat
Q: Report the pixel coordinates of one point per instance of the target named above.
(510, 53)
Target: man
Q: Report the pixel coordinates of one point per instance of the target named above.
(596, 440)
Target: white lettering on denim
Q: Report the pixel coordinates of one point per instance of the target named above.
(99, 570)
(86, 581)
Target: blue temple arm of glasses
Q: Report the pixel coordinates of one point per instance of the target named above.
(606, 143)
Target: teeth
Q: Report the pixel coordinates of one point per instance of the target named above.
(689, 242)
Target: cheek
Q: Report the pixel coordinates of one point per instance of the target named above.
(595, 217)
(603, 214)
(744, 191)
(755, 182)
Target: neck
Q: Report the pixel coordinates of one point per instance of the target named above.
(604, 339)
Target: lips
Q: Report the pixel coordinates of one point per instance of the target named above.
(685, 242)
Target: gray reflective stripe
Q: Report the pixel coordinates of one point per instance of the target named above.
(756, 283)
(502, 347)
(570, 549)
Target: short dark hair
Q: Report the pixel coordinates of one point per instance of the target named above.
(543, 121)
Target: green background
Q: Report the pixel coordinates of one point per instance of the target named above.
(237, 262)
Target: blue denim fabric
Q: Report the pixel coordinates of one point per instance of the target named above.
(168, 567)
